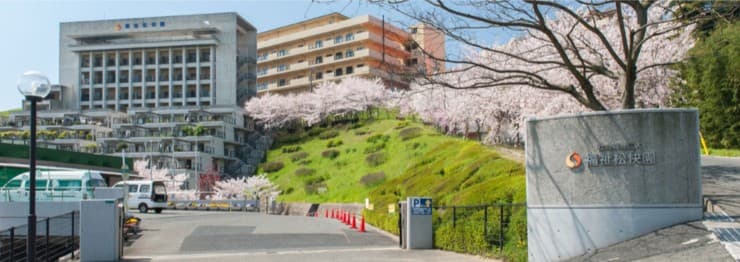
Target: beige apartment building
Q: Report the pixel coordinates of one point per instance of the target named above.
(300, 56)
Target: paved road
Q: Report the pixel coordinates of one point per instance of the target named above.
(237, 236)
(721, 176)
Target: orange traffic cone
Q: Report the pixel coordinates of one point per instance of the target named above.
(362, 224)
(354, 222)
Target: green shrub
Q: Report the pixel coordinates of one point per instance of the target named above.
(350, 150)
(288, 191)
(304, 171)
(334, 143)
(374, 148)
(378, 138)
(315, 131)
(329, 134)
(402, 124)
(288, 139)
(298, 156)
(330, 154)
(305, 162)
(273, 166)
(372, 179)
(362, 132)
(291, 149)
(409, 133)
(376, 159)
(356, 125)
(312, 185)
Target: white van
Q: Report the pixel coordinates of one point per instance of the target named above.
(53, 186)
(145, 194)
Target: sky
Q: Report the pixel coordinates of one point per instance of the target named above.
(31, 28)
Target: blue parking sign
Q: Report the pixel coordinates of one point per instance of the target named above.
(421, 206)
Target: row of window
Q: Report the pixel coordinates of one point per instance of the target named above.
(97, 95)
(123, 76)
(149, 57)
(317, 44)
(317, 76)
(125, 106)
(318, 60)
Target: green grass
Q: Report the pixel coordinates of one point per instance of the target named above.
(9, 111)
(416, 161)
(724, 152)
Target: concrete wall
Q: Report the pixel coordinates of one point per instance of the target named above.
(16, 213)
(639, 172)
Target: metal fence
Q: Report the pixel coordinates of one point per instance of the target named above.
(55, 237)
(491, 221)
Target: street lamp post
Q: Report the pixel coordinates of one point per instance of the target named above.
(35, 87)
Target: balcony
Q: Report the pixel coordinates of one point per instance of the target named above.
(310, 48)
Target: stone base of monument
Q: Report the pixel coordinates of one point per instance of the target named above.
(597, 179)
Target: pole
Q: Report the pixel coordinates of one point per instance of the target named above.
(383, 33)
(31, 236)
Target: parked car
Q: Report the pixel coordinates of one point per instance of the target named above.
(145, 194)
(54, 185)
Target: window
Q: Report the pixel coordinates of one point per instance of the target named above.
(127, 26)
(319, 44)
(338, 39)
(144, 189)
(413, 30)
(319, 60)
(262, 56)
(13, 184)
(136, 25)
(349, 53)
(143, 24)
(40, 184)
(68, 185)
(154, 24)
(349, 37)
(360, 65)
(261, 86)
(338, 56)
(161, 24)
(319, 75)
(338, 72)
(262, 71)
(282, 52)
(133, 188)
(359, 48)
(349, 70)
(282, 82)
(282, 68)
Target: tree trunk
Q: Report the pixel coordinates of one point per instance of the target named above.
(628, 87)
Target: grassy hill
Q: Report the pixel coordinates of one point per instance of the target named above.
(387, 160)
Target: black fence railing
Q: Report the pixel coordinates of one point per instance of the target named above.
(471, 223)
(55, 237)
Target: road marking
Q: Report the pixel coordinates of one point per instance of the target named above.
(261, 253)
(726, 230)
(693, 240)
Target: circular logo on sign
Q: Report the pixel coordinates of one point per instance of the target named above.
(573, 160)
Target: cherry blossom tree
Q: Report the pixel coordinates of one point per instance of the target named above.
(350, 96)
(503, 110)
(244, 188)
(603, 54)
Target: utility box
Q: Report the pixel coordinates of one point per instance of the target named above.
(417, 217)
(100, 230)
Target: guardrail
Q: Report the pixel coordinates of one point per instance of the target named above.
(55, 237)
(222, 205)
